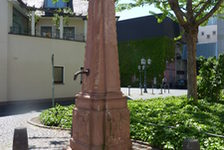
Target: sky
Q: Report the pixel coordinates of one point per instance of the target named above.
(136, 12)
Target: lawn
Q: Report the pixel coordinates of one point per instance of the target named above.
(163, 122)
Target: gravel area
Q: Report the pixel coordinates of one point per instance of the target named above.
(39, 138)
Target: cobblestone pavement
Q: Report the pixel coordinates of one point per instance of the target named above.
(39, 138)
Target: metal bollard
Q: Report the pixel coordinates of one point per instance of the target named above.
(168, 88)
(161, 89)
(141, 90)
(152, 90)
(190, 144)
(129, 90)
(20, 139)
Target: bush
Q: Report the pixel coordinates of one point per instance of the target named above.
(59, 116)
(163, 122)
(211, 78)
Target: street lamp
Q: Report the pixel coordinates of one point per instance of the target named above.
(140, 77)
(144, 65)
(167, 82)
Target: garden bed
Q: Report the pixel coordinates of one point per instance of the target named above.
(163, 122)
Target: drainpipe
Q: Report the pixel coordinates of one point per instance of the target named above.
(61, 27)
(33, 24)
(85, 29)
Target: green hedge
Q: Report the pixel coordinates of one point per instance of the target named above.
(130, 53)
(211, 78)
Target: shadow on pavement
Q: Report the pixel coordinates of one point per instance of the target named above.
(20, 107)
(52, 143)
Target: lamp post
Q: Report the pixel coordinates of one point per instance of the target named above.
(140, 77)
(167, 69)
(144, 65)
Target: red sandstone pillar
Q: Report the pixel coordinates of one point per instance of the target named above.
(101, 118)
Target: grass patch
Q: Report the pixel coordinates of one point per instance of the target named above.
(163, 122)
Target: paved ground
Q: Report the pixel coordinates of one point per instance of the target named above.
(39, 138)
(135, 93)
(48, 139)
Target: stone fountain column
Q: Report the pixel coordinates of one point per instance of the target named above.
(101, 118)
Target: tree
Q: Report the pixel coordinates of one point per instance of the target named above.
(190, 14)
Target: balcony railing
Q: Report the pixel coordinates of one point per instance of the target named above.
(52, 35)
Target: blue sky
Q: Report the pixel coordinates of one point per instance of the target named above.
(136, 12)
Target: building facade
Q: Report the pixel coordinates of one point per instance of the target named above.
(28, 42)
(147, 28)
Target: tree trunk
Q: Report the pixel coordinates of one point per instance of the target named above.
(191, 39)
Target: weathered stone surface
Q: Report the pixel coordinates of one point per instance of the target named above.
(20, 139)
(101, 117)
(190, 144)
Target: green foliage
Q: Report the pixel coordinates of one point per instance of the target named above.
(55, 1)
(66, 13)
(163, 122)
(130, 53)
(57, 116)
(200, 8)
(211, 78)
(190, 15)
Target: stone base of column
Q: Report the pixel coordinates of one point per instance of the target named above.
(101, 124)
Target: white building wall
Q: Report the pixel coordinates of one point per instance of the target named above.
(30, 71)
(207, 34)
(3, 48)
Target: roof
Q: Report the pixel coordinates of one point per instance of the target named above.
(80, 7)
(146, 27)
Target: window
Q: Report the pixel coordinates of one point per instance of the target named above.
(202, 33)
(58, 75)
(59, 4)
(180, 72)
(46, 31)
(208, 36)
(20, 23)
(214, 32)
(69, 33)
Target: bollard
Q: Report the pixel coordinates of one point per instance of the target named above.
(164, 87)
(141, 91)
(152, 90)
(20, 139)
(190, 144)
(168, 88)
(161, 89)
(129, 90)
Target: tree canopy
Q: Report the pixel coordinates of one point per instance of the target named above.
(183, 11)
